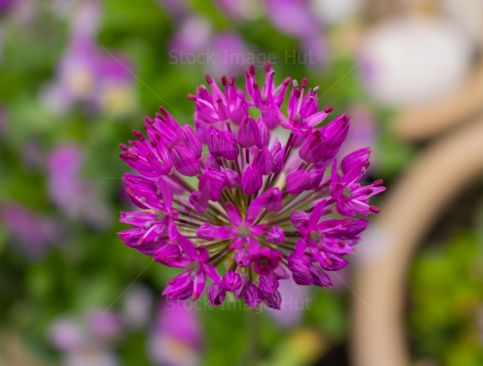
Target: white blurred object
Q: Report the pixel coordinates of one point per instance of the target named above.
(468, 14)
(335, 11)
(136, 307)
(413, 60)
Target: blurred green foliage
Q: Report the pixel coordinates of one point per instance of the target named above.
(446, 301)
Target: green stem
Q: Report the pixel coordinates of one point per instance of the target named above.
(253, 339)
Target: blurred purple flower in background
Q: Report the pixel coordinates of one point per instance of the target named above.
(229, 51)
(115, 92)
(76, 197)
(33, 233)
(176, 338)
(86, 19)
(295, 18)
(105, 326)
(67, 335)
(191, 37)
(87, 341)
(239, 9)
(195, 42)
(292, 17)
(87, 74)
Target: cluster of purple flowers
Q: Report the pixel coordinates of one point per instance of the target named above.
(266, 205)
(89, 75)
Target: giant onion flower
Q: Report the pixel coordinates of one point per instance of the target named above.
(229, 202)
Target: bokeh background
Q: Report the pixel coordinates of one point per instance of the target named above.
(76, 76)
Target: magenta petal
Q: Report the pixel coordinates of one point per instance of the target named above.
(186, 245)
(168, 254)
(275, 234)
(212, 183)
(266, 260)
(231, 281)
(233, 214)
(185, 162)
(251, 180)
(216, 294)
(263, 135)
(248, 133)
(212, 272)
(303, 278)
(331, 262)
(166, 192)
(242, 258)
(199, 282)
(188, 139)
(232, 177)
(252, 295)
(271, 200)
(357, 160)
(299, 219)
(179, 287)
(263, 161)
(273, 300)
(199, 201)
(268, 283)
(210, 232)
(223, 144)
(277, 157)
(298, 181)
(319, 276)
(316, 118)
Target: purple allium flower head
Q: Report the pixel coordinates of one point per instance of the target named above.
(253, 219)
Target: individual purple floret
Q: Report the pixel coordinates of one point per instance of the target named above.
(229, 203)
